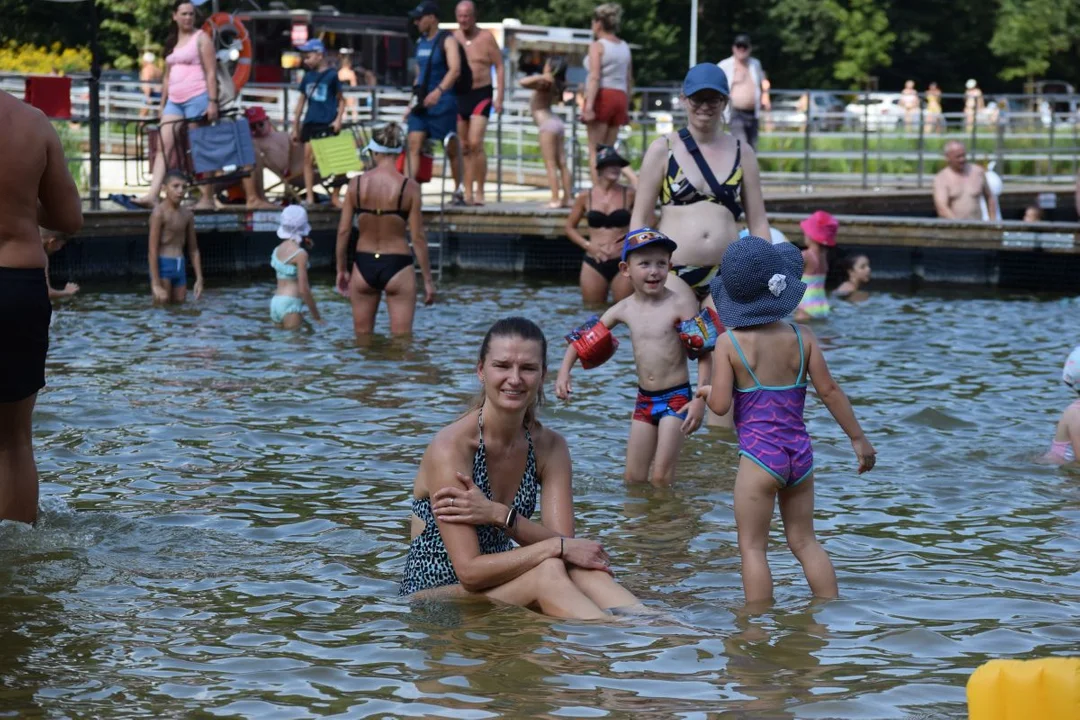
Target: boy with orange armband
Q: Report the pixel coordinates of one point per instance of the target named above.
(666, 410)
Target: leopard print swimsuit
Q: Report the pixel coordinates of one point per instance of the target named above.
(428, 564)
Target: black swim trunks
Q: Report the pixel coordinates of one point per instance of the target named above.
(25, 312)
(476, 103)
(314, 131)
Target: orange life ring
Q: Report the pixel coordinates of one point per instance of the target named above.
(221, 21)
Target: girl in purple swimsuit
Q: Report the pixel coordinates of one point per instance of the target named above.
(762, 365)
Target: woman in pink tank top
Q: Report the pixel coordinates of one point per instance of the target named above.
(188, 91)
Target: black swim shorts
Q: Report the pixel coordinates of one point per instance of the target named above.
(25, 312)
(476, 103)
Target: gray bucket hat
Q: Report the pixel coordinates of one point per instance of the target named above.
(759, 282)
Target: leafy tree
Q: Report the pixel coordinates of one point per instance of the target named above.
(864, 38)
(1030, 32)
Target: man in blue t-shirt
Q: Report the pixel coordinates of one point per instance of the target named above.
(320, 93)
(433, 113)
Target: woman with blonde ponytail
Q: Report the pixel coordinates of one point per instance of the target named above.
(473, 532)
(385, 204)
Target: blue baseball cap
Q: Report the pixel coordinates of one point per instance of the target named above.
(643, 237)
(313, 45)
(428, 7)
(705, 76)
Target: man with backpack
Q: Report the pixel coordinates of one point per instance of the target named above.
(439, 71)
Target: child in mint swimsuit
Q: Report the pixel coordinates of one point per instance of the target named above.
(762, 365)
(290, 261)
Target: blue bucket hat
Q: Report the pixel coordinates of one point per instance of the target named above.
(759, 282)
(705, 76)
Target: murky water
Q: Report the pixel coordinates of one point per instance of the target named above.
(225, 505)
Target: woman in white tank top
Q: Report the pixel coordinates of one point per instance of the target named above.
(607, 89)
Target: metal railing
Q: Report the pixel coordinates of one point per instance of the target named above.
(808, 138)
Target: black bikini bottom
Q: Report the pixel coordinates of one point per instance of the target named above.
(378, 269)
(609, 268)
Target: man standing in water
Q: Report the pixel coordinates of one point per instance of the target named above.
(746, 78)
(475, 108)
(959, 185)
(35, 189)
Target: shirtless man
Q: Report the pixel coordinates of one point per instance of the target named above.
(959, 185)
(172, 226)
(475, 108)
(35, 189)
(274, 151)
(746, 78)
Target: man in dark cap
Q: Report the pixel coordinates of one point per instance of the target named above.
(748, 83)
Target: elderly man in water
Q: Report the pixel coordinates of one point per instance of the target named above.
(959, 185)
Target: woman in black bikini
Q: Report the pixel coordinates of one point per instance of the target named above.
(699, 174)
(474, 531)
(385, 203)
(606, 208)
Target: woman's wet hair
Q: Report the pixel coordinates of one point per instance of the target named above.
(515, 327)
(609, 15)
(847, 264)
(174, 29)
(390, 135)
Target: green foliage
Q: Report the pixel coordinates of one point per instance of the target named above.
(1030, 32)
(864, 38)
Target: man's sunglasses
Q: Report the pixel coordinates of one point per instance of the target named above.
(742, 46)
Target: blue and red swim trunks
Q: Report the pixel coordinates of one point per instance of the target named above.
(652, 405)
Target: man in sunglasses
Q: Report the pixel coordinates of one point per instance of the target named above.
(274, 151)
(746, 79)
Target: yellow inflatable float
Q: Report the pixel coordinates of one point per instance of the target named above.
(1046, 689)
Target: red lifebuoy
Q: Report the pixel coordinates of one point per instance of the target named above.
(226, 22)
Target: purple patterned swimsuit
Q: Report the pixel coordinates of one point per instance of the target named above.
(769, 420)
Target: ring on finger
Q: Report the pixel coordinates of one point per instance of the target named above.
(451, 502)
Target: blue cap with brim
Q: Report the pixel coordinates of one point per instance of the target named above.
(313, 45)
(705, 76)
(644, 237)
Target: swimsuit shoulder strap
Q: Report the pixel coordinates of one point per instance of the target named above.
(286, 260)
(742, 357)
(359, 181)
(738, 160)
(801, 377)
(699, 160)
(401, 194)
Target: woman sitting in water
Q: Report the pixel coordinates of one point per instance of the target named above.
(290, 262)
(386, 203)
(547, 87)
(1066, 445)
(476, 492)
(606, 208)
(684, 170)
(856, 268)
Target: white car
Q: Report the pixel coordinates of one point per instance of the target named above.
(879, 111)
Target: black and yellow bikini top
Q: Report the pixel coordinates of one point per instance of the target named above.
(677, 189)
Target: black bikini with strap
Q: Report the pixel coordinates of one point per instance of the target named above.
(403, 214)
(615, 219)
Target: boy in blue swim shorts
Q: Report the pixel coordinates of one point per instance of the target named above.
(666, 410)
(172, 227)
